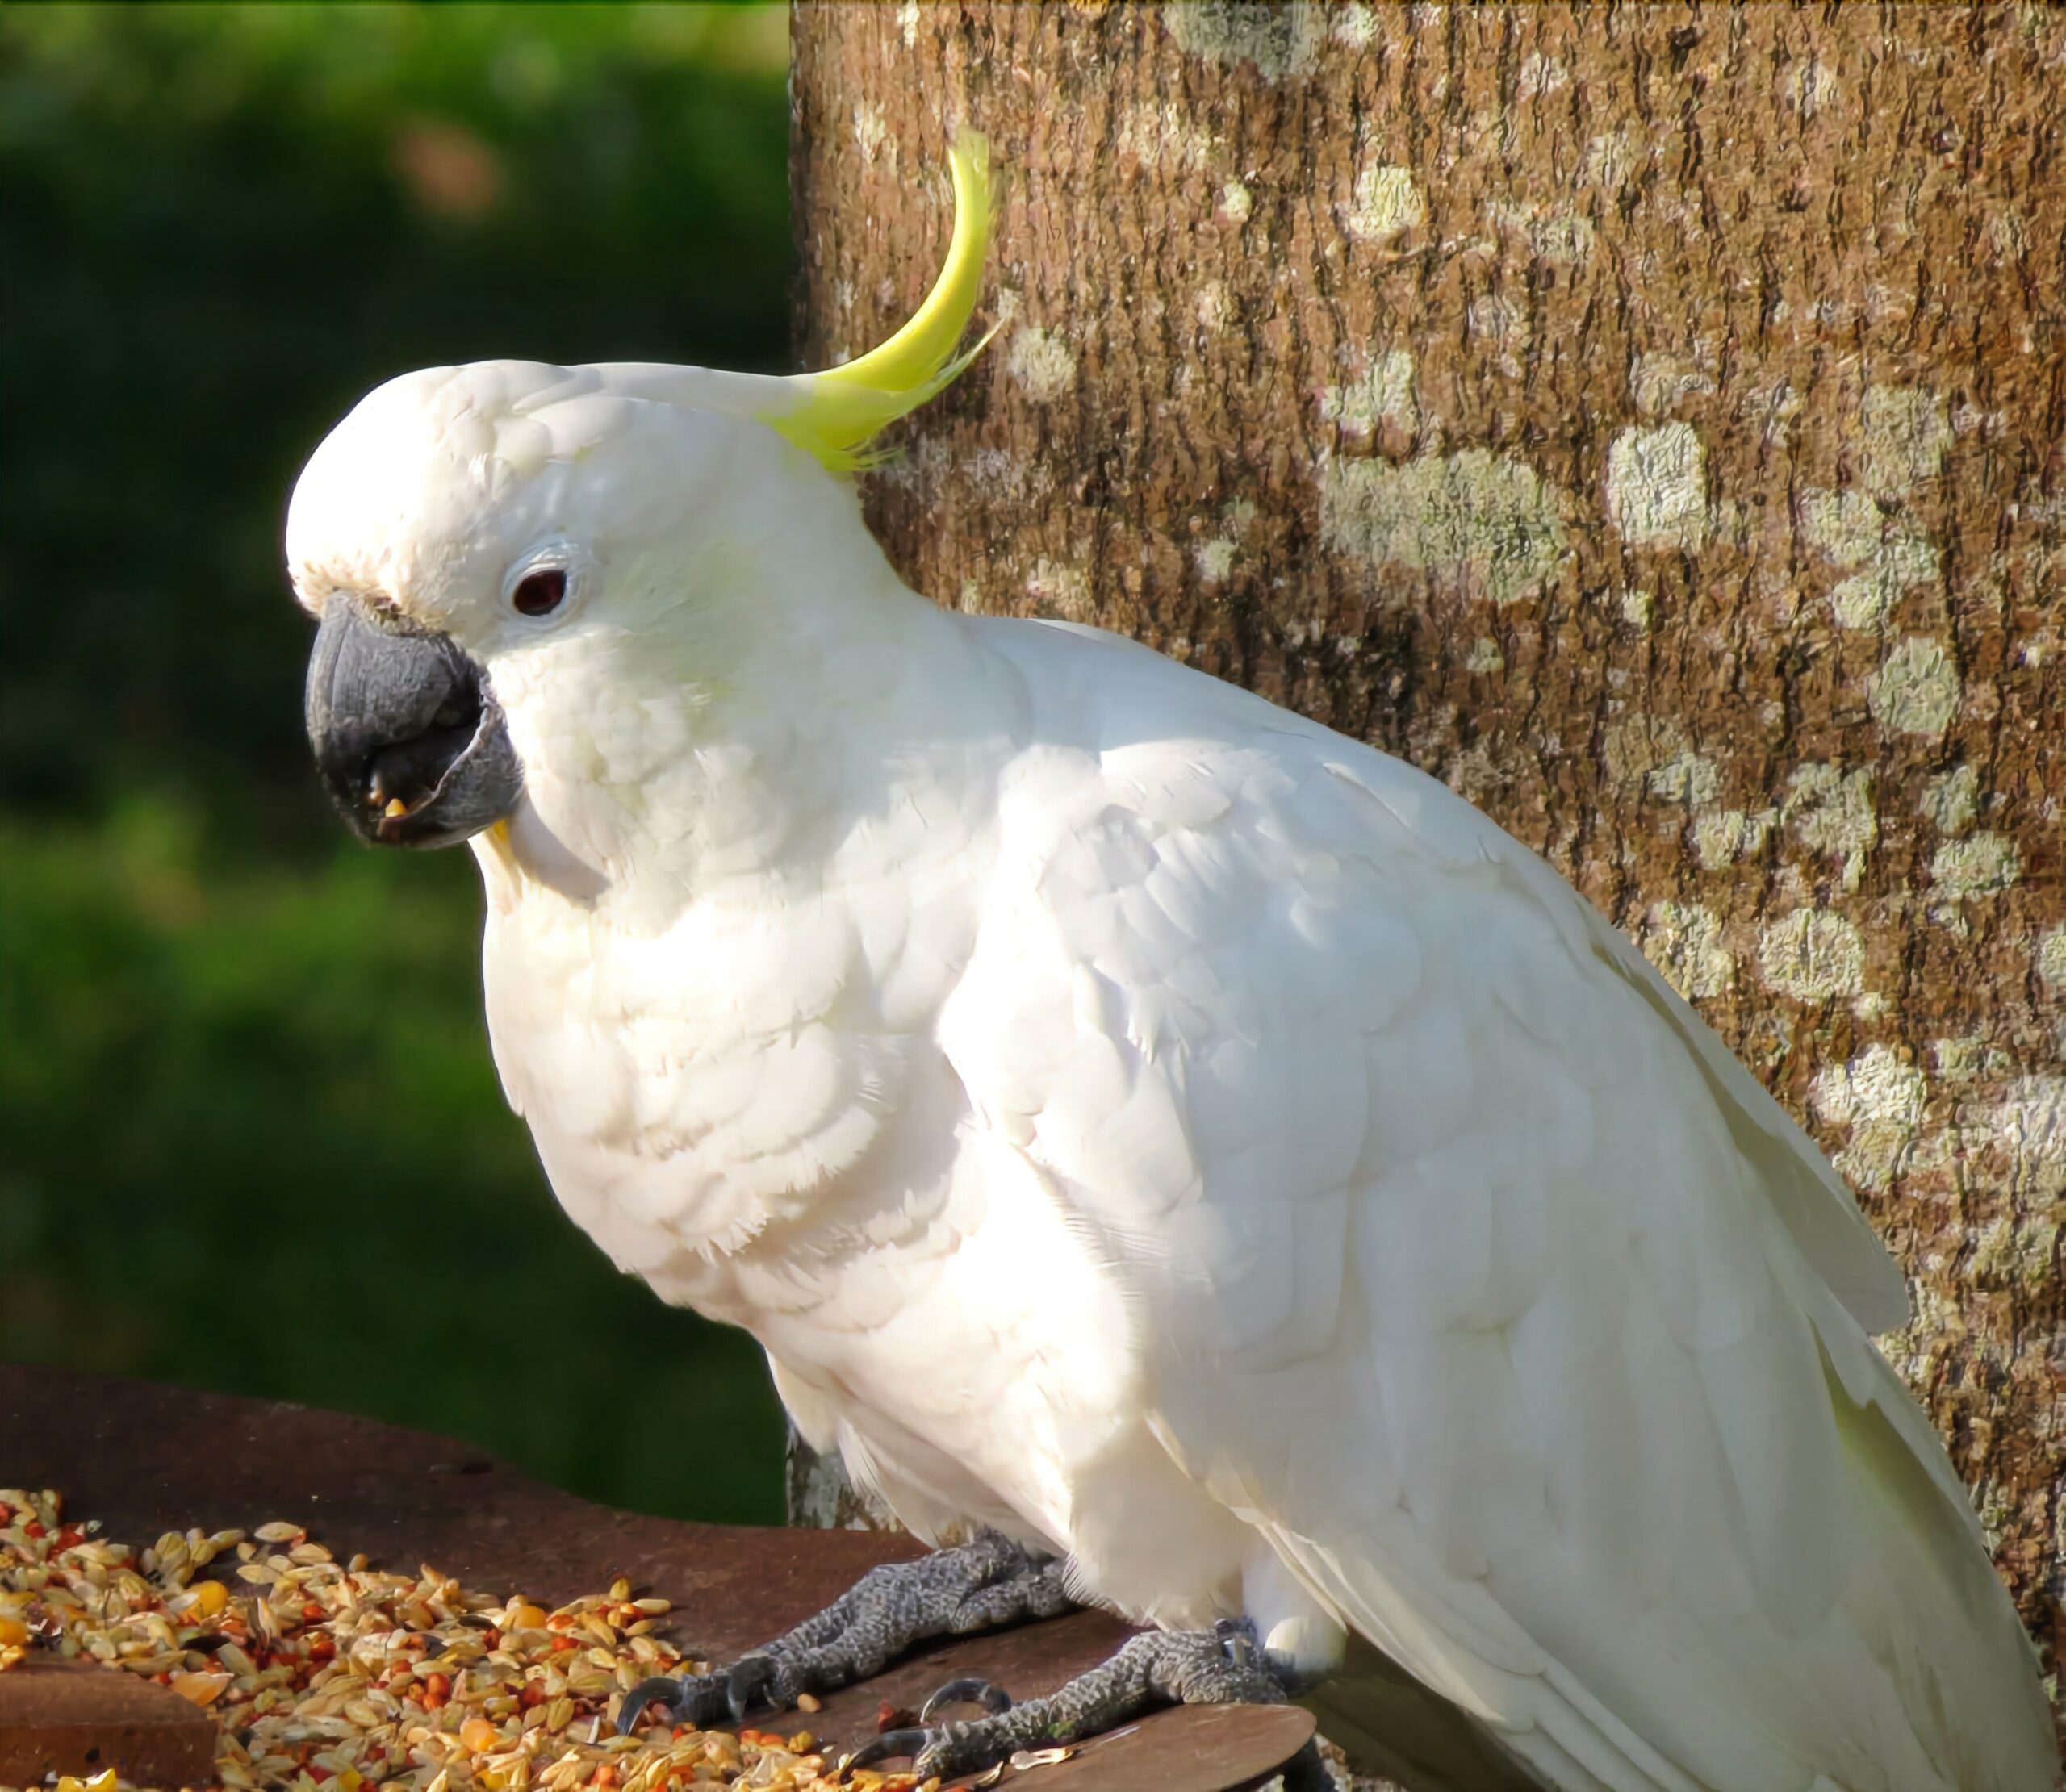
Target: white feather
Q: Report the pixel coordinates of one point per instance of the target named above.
(1132, 1114)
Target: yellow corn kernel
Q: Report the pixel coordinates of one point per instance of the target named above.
(203, 1689)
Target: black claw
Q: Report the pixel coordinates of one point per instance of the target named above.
(885, 1746)
(969, 1690)
(750, 1678)
(700, 1699)
(661, 1689)
(1237, 1640)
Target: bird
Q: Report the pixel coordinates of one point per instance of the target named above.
(1180, 1157)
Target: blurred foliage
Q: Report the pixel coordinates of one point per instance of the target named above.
(253, 1140)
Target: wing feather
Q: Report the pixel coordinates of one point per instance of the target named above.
(1477, 1275)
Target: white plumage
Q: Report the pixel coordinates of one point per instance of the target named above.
(1138, 1117)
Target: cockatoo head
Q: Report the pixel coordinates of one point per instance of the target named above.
(463, 527)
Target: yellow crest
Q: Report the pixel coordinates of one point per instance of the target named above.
(834, 414)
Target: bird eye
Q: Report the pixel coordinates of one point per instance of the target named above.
(539, 593)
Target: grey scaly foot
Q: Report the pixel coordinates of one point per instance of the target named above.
(1225, 1665)
(951, 1592)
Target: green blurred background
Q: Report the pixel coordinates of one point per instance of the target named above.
(250, 1138)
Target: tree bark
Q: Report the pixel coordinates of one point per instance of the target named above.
(1650, 421)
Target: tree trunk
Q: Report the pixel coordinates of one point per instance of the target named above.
(1651, 422)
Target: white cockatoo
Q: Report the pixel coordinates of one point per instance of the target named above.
(1199, 1157)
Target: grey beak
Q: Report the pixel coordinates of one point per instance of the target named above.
(408, 738)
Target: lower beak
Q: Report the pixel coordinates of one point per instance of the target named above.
(408, 735)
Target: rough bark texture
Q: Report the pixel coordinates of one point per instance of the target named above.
(1649, 421)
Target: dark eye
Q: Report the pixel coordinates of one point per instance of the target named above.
(539, 593)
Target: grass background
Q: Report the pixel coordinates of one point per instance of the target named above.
(250, 1138)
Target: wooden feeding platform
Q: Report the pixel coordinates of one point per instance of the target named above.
(144, 1460)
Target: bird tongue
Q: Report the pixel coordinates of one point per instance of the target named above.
(405, 777)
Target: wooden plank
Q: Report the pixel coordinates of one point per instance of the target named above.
(145, 1459)
(75, 1717)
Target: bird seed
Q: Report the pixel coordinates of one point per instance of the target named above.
(331, 1676)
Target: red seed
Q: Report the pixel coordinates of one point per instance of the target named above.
(33, 1528)
(311, 1611)
(533, 1695)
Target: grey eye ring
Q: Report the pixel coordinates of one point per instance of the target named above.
(547, 582)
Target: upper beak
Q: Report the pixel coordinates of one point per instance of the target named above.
(408, 735)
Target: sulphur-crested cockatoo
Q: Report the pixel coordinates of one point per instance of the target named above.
(1194, 1155)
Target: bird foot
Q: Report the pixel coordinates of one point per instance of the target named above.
(1225, 1665)
(989, 1580)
